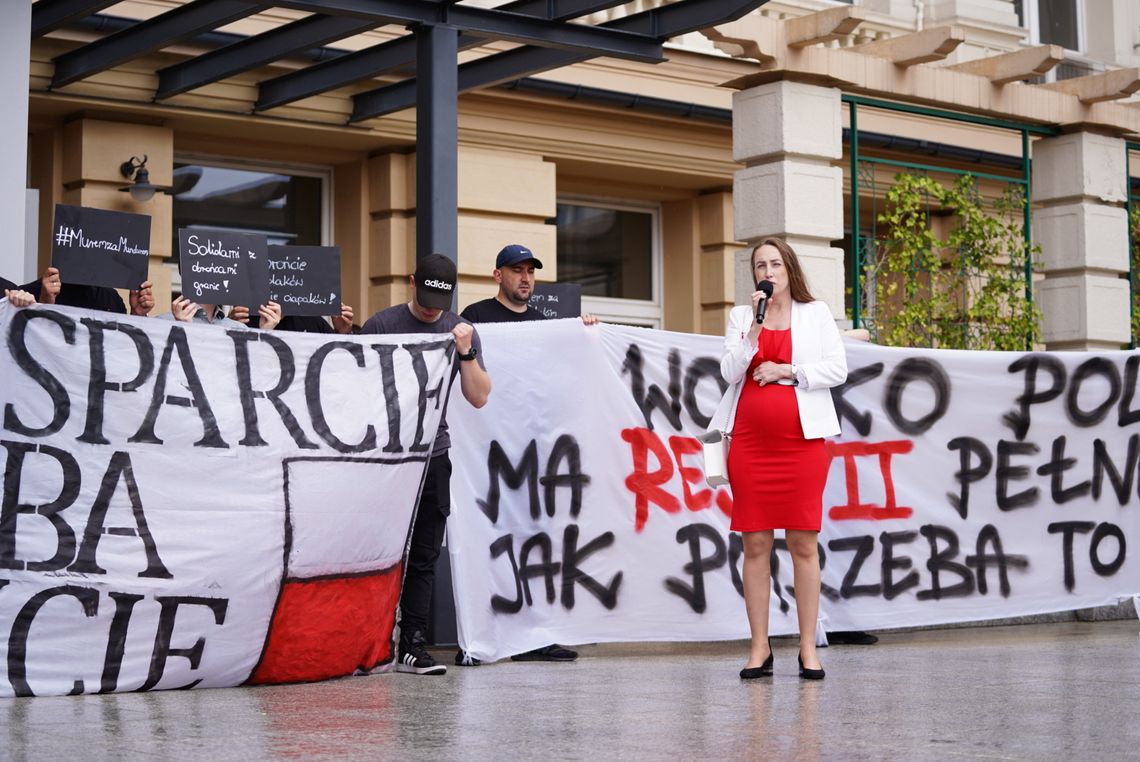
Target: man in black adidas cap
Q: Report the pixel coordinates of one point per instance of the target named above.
(429, 311)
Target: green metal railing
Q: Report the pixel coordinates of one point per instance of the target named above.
(862, 172)
(1132, 204)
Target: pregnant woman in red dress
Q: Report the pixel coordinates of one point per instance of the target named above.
(781, 372)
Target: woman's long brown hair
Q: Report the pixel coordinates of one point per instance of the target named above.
(797, 283)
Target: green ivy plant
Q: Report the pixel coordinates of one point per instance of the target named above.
(967, 291)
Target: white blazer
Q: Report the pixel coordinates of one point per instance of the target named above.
(818, 353)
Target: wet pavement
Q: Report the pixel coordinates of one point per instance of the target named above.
(1043, 691)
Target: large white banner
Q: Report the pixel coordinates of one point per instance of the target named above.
(964, 486)
(187, 505)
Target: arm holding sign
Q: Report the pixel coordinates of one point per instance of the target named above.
(270, 314)
(45, 290)
(50, 284)
(343, 322)
(50, 289)
(239, 313)
(142, 300)
(183, 309)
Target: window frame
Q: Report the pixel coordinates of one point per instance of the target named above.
(647, 313)
(324, 173)
(1032, 23)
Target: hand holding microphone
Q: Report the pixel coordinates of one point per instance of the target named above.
(764, 286)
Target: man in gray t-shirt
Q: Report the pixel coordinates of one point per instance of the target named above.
(427, 312)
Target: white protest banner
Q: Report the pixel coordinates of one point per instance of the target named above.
(188, 505)
(965, 486)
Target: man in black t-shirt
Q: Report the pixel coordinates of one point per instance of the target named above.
(514, 272)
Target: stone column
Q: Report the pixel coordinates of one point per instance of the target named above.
(392, 230)
(352, 228)
(1082, 228)
(789, 134)
(504, 197)
(681, 260)
(719, 271)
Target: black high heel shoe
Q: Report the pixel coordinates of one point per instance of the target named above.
(764, 670)
(809, 674)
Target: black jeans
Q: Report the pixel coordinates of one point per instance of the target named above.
(427, 538)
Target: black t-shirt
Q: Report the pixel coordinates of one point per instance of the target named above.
(300, 323)
(295, 323)
(88, 297)
(492, 311)
(399, 319)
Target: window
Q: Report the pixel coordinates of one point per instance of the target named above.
(1058, 22)
(1053, 22)
(288, 207)
(613, 252)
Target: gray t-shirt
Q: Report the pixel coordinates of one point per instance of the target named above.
(399, 319)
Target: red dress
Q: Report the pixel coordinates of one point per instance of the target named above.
(777, 476)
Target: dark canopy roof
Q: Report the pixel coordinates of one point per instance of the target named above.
(547, 31)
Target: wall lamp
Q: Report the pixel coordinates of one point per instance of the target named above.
(141, 189)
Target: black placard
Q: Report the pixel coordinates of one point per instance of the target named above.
(557, 300)
(305, 280)
(218, 266)
(95, 247)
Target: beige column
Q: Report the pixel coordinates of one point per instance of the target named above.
(789, 134)
(391, 232)
(352, 227)
(1081, 226)
(93, 150)
(504, 197)
(719, 270)
(681, 258)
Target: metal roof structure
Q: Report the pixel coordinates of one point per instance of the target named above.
(550, 34)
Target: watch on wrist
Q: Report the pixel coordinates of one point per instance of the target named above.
(470, 355)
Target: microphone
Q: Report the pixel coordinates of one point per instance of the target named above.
(762, 307)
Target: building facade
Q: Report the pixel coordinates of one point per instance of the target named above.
(643, 183)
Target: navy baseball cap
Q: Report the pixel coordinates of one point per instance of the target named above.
(435, 277)
(515, 253)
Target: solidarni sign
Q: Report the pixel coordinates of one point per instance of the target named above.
(964, 486)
